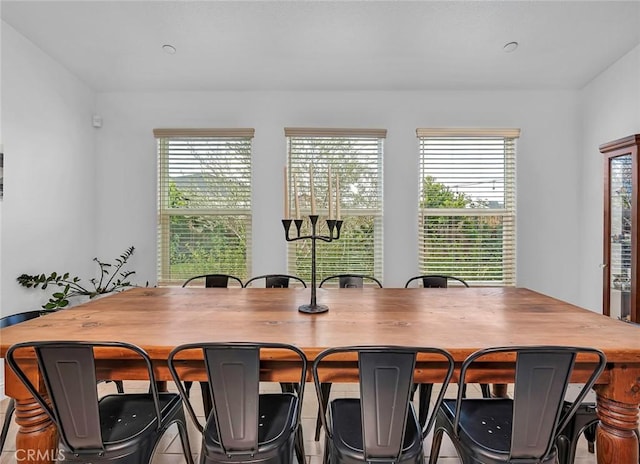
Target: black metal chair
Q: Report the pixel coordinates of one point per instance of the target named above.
(425, 389)
(210, 281)
(244, 426)
(275, 280)
(435, 281)
(14, 319)
(215, 280)
(8, 321)
(122, 428)
(585, 420)
(350, 281)
(342, 281)
(522, 429)
(381, 425)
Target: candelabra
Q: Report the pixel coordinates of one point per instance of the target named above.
(334, 227)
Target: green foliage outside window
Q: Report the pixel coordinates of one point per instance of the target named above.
(205, 244)
(471, 242)
(468, 246)
(353, 252)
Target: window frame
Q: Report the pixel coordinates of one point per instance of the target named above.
(295, 167)
(506, 214)
(165, 212)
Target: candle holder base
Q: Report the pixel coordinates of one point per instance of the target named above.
(313, 308)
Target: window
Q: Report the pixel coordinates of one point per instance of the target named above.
(355, 159)
(467, 211)
(204, 203)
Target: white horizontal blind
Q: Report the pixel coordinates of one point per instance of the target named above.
(467, 211)
(204, 203)
(355, 157)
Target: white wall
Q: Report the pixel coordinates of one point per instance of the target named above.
(547, 157)
(48, 211)
(74, 192)
(610, 110)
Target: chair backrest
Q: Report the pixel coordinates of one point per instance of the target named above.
(541, 378)
(13, 319)
(386, 381)
(233, 370)
(215, 280)
(350, 280)
(275, 280)
(435, 281)
(69, 375)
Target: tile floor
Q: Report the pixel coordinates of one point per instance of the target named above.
(170, 452)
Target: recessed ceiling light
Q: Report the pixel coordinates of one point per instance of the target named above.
(169, 49)
(510, 47)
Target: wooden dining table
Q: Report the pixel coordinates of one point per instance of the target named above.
(461, 320)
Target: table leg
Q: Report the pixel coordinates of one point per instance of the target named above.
(616, 436)
(499, 390)
(37, 437)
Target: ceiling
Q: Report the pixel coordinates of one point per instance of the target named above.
(329, 45)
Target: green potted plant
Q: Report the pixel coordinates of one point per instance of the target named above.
(113, 278)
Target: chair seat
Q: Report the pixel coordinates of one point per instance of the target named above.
(345, 417)
(125, 416)
(485, 422)
(278, 414)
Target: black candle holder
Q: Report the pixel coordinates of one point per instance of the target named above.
(334, 227)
